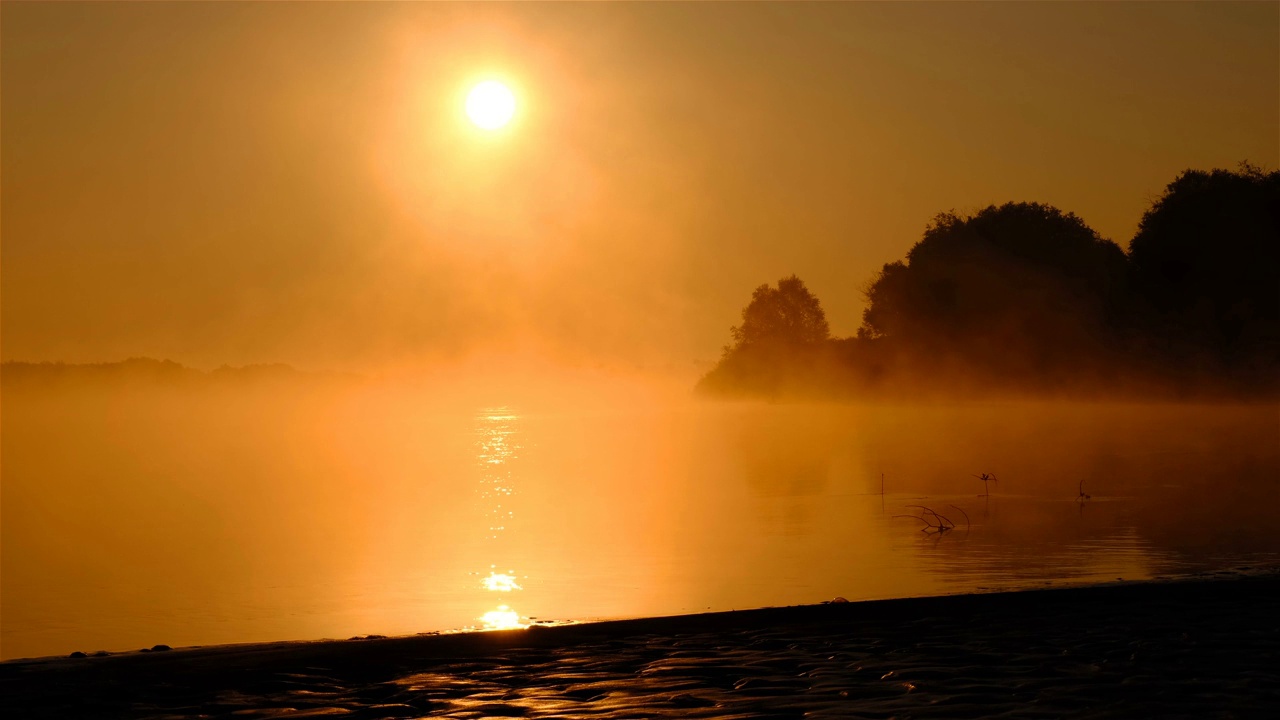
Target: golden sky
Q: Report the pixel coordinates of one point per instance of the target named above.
(297, 182)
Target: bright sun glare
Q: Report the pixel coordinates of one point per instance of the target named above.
(504, 618)
(490, 105)
(500, 582)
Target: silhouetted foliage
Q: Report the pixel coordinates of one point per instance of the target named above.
(786, 315)
(1022, 287)
(1206, 267)
(1027, 297)
(784, 331)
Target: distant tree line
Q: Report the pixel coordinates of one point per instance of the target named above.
(1026, 297)
(140, 370)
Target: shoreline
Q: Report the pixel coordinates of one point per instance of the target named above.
(1238, 612)
(570, 631)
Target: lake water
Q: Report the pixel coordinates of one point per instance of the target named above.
(219, 515)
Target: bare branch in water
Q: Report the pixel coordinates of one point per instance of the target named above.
(913, 517)
(934, 521)
(986, 478)
(1083, 495)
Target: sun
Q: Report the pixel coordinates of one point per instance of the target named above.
(490, 105)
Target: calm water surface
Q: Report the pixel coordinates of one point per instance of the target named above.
(180, 517)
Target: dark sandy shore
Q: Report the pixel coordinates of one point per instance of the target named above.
(1201, 648)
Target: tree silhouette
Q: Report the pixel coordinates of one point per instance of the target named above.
(1024, 296)
(783, 334)
(787, 315)
(1206, 266)
(1020, 287)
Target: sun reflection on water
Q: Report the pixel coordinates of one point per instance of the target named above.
(500, 582)
(497, 448)
(504, 618)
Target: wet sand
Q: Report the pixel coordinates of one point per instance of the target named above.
(1204, 648)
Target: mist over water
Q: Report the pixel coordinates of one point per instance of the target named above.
(144, 513)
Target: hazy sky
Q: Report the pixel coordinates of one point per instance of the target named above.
(240, 183)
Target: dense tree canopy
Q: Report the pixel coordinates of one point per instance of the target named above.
(786, 315)
(784, 332)
(1024, 296)
(1206, 264)
(1021, 278)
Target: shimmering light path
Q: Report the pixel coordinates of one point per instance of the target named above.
(497, 451)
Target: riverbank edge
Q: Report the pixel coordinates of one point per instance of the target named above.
(374, 652)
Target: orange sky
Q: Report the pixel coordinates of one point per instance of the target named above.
(240, 183)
